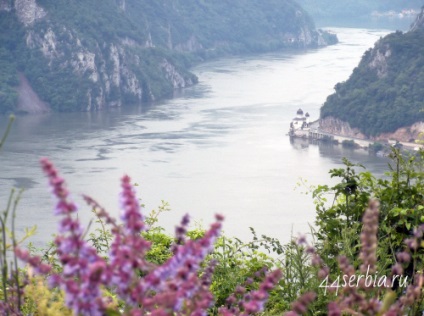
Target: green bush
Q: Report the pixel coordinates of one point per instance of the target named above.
(348, 143)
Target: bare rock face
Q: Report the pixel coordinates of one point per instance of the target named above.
(28, 100)
(110, 73)
(28, 11)
(84, 62)
(191, 45)
(404, 134)
(419, 22)
(174, 76)
(336, 126)
(305, 37)
(379, 60)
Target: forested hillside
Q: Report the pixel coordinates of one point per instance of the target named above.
(84, 55)
(385, 92)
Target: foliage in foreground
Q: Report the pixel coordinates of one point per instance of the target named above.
(361, 292)
(180, 285)
(134, 268)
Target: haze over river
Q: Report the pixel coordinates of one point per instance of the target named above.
(217, 147)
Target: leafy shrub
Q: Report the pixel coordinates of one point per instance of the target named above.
(401, 194)
(348, 143)
(375, 147)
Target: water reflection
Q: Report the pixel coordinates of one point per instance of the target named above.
(336, 153)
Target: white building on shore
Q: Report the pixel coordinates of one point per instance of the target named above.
(300, 124)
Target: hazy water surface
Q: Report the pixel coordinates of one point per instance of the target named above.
(219, 147)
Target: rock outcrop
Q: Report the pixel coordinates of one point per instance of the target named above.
(28, 11)
(379, 58)
(419, 22)
(404, 134)
(28, 100)
(338, 127)
(407, 134)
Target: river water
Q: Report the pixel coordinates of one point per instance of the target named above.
(217, 147)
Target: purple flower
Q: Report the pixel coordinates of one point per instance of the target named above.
(176, 287)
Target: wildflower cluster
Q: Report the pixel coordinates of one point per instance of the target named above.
(354, 300)
(179, 286)
(247, 303)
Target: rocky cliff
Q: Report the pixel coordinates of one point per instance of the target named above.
(335, 126)
(383, 98)
(419, 22)
(93, 54)
(404, 134)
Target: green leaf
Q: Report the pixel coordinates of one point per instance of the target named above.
(111, 312)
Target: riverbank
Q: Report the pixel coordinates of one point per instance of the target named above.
(380, 147)
(302, 127)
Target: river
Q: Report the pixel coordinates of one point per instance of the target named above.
(217, 147)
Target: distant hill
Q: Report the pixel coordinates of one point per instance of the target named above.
(350, 12)
(385, 92)
(85, 55)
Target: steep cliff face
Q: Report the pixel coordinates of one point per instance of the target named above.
(383, 98)
(89, 55)
(404, 134)
(378, 60)
(105, 68)
(418, 23)
(71, 70)
(338, 127)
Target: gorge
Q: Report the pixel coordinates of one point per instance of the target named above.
(92, 55)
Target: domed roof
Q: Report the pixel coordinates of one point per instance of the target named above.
(307, 114)
(299, 112)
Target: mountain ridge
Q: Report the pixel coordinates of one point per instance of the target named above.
(384, 92)
(96, 54)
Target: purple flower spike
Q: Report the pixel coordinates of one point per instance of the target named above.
(180, 286)
(131, 215)
(128, 249)
(80, 261)
(58, 188)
